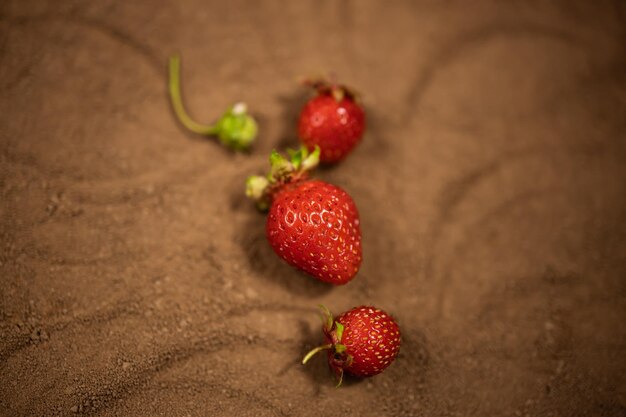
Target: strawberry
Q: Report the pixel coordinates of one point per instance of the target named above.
(362, 341)
(312, 225)
(332, 120)
(236, 129)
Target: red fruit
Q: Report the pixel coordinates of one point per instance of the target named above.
(363, 341)
(332, 120)
(312, 225)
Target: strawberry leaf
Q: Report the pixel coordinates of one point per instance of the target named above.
(339, 348)
(327, 317)
(296, 158)
(282, 171)
(279, 166)
(339, 332)
(312, 160)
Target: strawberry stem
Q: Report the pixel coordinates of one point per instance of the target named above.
(314, 352)
(177, 102)
(339, 378)
(333, 330)
(235, 129)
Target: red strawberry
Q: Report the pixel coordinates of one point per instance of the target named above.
(312, 225)
(332, 120)
(362, 341)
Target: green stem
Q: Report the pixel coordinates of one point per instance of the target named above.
(339, 378)
(327, 317)
(315, 351)
(177, 101)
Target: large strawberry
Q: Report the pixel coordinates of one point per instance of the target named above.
(333, 120)
(311, 224)
(362, 341)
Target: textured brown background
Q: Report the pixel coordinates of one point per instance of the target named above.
(135, 277)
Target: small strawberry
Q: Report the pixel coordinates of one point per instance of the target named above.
(362, 341)
(235, 129)
(332, 120)
(312, 225)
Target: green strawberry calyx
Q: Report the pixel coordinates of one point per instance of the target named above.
(282, 171)
(236, 128)
(338, 357)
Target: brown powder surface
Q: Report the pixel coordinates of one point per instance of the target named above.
(135, 279)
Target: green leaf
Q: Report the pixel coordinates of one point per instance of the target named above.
(327, 317)
(279, 165)
(339, 331)
(296, 159)
(275, 157)
(291, 152)
(312, 160)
